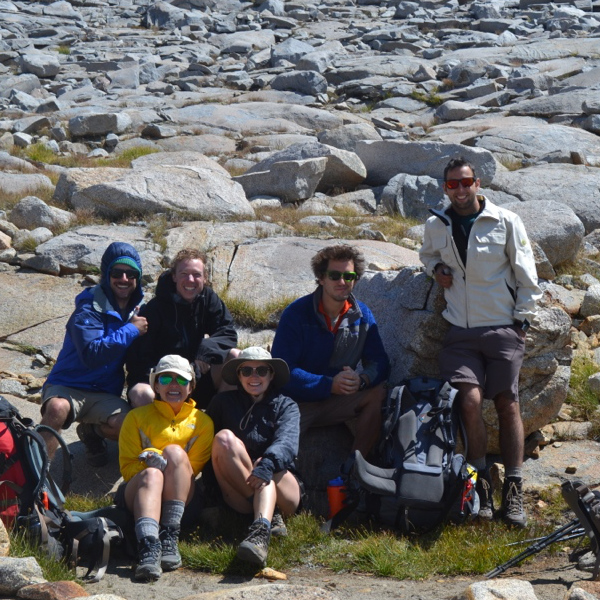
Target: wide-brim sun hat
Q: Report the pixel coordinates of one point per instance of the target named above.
(173, 363)
(281, 372)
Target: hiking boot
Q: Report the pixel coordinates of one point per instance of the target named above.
(278, 527)
(96, 452)
(148, 568)
(484, 491)
(512, 502)
(255, 547)
(171, 559)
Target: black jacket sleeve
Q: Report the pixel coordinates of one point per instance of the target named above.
(142, 355)
(217, 322)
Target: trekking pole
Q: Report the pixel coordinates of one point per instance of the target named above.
(559, 534)
(579, 532)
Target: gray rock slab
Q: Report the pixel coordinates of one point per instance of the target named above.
(347, 136)
(567, 103)
(542, 182)
(34, 309)
(256, 118)
(213, 145)
(532, 142)
(271, 259)
(289, 180)
(303, 82)
(32, 212)
(191, 192)
(184, 158)
(342, 169)
(553, 225)
(388, 158)
(80, 250)
(72, 181)
(99, 124)
(15, 183)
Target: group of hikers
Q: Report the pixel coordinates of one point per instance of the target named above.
(196, 403)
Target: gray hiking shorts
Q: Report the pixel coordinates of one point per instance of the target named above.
(490, 357)
(86, 406)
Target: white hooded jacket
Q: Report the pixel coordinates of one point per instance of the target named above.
(499, 282)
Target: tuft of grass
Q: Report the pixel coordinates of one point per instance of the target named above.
(124, 159)
(432, 98)
(512, 163)
(21, 546)
(28, 244)
(84, 503)
(580, 396)
(158, 227)
(63, 49)
(247, 314)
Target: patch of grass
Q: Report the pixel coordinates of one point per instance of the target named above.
(157, 229)
(471, 548)
(62, 49)
(124, 159)
(431, 98)
(40, 153)
(247, 314)
(28, 244)
(580, 396)
(84, 503)
(510, 162)
(21, 546)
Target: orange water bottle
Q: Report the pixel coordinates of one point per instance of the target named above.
(336, 495)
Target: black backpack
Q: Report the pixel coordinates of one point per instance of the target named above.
(33, 503)
(419, 480)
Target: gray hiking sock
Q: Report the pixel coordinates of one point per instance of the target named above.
(515, 472)
(171, 513)
(146, 527)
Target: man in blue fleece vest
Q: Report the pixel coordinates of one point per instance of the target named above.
(86, 383)
(331, 343)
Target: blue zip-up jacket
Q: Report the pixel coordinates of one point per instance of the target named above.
(315, 355)
(98, 334)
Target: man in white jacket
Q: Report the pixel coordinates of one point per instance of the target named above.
(480, 254)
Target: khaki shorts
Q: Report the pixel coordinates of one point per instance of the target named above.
(490, 357)
(331, 411)
(86, 406)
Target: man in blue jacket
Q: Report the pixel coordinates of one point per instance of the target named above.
(86, 383)
(323, 337)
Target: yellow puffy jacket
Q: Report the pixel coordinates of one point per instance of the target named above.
(155, 426)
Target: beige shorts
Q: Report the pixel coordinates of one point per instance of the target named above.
(86, 406)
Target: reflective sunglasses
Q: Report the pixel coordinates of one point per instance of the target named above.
(249, 371)
(346, 275)
(118, 273)
(452, 184)
(166, 379)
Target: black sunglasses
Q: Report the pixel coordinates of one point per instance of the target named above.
(346, 275)
(452, 184)
(249, 371)
(118, 273)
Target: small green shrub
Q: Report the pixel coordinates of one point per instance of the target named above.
(247, 314)
(583, 400)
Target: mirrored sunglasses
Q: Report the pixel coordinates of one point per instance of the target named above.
(466, 182)
(249, 371)
(346, 275)
(118, 273)
(167, 379)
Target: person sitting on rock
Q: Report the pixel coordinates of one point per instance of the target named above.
(86, 383)
(187, 318)
(163, 446)
(323, 337)
(256, 442)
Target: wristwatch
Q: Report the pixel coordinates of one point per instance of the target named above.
(363, 384)
(523, 325)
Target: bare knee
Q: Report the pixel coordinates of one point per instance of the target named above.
(140, 394)
(176, 456)
(112, 427)
(56, 412)
(225, 442)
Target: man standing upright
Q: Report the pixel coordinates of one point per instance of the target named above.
(86, 383)
(480, 254)
(323, 337)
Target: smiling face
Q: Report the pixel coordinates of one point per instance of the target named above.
(189, 278)
(463, 199)
(339, 290)
(121, 285)
(172, 391)
(255, 385)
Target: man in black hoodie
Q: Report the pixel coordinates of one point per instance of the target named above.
(184, 318)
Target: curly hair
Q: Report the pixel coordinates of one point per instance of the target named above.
(320, 261)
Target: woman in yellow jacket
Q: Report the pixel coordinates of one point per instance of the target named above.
(162, 448)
